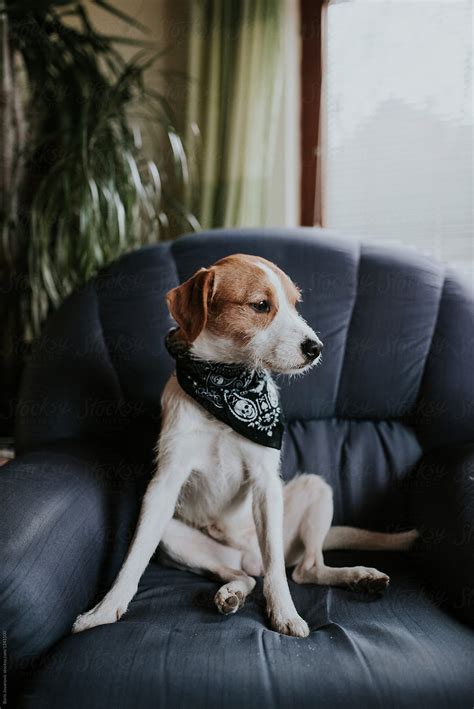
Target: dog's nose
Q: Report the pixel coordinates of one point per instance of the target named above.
(311, 348)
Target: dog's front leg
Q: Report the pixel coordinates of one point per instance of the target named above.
(268, 515)
(156, 512)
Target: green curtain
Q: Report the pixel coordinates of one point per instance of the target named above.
(237, 75)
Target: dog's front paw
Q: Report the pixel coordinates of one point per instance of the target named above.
(99, 615)
(228, 601)
(295, 626)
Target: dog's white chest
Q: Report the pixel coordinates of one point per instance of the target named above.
(220, 459)
(218, 480)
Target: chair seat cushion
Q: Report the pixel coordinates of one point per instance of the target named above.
(173, 650)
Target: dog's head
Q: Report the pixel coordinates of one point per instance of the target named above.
(243, 310)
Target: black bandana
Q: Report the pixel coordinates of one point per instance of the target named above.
(245, 399)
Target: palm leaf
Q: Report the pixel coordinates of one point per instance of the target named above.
(92, 192)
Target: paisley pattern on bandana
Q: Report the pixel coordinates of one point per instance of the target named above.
(245, 399)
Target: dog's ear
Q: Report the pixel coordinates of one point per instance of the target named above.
(188, 303)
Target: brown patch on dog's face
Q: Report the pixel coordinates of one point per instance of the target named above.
(239, 287)
(237, 301)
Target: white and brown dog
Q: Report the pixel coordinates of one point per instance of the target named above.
(216, 503)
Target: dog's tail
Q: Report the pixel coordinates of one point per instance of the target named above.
(353, 538)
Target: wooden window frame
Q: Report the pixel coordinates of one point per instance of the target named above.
(311, 28)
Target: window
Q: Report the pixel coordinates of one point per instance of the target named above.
(397, 124)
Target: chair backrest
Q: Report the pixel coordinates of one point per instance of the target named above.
(396, 379)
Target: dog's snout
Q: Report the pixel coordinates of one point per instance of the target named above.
(311, 348)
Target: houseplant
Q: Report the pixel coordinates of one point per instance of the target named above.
(77, 188)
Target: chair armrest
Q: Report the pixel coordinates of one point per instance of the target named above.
(68, 512)
(442, 501)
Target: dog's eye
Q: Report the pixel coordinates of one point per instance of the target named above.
(263, 306)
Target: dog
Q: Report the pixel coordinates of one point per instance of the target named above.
(216, 504)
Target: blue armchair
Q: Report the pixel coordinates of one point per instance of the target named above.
(387, 420)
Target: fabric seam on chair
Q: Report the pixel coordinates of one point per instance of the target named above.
(175, 264)
(435, 326)
(404, 420)
(106, 345)
(349, 325)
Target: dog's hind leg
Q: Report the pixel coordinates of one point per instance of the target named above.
(186, 547)
(308, 517)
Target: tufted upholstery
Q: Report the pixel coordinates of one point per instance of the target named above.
(395, 387)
